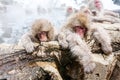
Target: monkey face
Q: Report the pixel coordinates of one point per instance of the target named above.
(42, 36)
(81, 31)
(78, 28)
(69, 9)
(98, 4)
(42, 30)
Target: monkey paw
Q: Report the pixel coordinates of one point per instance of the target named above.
(62, 41)
(29, 47)
(64, 44)
(107, 49)
(89, 68)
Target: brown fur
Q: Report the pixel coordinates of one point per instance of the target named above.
(28, 39)
(69, 39)
(43, 25)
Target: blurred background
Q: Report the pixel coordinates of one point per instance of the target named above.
(17, 16)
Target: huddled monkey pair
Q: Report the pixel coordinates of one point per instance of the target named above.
(97, 11)
(100, 14)
(72, 35)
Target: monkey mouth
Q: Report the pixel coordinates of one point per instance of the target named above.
(80, 28)
(41, 37)
(81, 31)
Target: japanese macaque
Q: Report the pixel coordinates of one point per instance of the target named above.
(41, 31)
(73, 35)
(100, 14)
(70, 10)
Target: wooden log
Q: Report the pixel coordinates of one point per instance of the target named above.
(25, 59)
(16, 64)
(116, 72)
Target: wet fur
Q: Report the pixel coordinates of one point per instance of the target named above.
(28, 39)
(69, 39)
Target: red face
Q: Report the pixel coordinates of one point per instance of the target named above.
(42, 36)
(98, 4)
(80, 30)
(69, 10)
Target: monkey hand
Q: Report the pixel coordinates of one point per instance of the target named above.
(64, 44)
(88, 65)
(29, 47)
(62, 40)
(107, 49)
(89, 68)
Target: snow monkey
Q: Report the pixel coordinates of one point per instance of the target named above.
(70, 10)
(41, 31)
(96, 7)
(73, 34)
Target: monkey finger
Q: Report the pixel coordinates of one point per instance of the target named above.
(29, 48)
(89, 68)
(64, 45)
(107, 49)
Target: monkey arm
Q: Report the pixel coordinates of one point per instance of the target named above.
(106, 17)
(80, 49)
(102, 19)
(74, 40)
(103, 38)
(111, 13)
(116, 19)
(26, 42)
(62, 40)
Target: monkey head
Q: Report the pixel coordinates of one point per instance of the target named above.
(42, 30)
(79, 23)
(95, 6)
(98, 4)
(70, 9)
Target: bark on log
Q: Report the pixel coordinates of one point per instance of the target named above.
(16, 64)
(116, 72)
